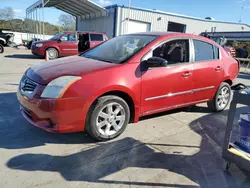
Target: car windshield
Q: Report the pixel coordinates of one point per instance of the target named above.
(56, 36)
(119, 49)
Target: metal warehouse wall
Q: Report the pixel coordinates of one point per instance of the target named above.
(193, 26)
(101, 24)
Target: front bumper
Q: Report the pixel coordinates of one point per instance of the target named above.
(38, 51)
(53, 115)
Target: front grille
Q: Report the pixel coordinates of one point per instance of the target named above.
(27, 85)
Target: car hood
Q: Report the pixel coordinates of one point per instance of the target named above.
(42, 41)
(43, 73)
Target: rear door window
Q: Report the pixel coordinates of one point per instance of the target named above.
(216, 53)
(96, 37)
(203, 51)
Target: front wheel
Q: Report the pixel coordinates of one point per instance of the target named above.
(108, 118)
(52, 53)
(221, 98)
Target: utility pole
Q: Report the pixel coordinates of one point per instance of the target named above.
(129, 8)
(43, 16)
(241, 13)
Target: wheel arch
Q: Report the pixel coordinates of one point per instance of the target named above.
(2, 41)
(229, 81)
(126, 97)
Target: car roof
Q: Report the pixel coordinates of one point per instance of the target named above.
(91, 32)
(176, 34)
(163, 34)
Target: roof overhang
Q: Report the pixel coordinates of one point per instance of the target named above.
(83, 8)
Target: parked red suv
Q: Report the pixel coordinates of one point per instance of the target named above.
(67, 44)
(127, 77)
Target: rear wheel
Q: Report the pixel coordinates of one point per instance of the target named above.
(108, 118)
(1, 49)
(2, 43)
(52, 53)
(221, 99)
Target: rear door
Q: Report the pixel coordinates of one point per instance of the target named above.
(208, 69)
(68, 44)
(96, 39)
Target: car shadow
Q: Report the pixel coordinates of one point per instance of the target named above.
(199, 109)
(23, 56)
(23, 135)
(17, 133)
(205, 167)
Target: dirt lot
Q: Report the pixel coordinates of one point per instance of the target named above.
(181, 148)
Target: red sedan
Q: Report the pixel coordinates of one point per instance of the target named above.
(127, 77)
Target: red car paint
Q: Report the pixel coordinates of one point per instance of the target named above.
(68, 113)
(65, 48)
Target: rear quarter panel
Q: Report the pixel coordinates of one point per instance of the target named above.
(231, 66)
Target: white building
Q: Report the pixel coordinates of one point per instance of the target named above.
(117, 20)
(121, 20)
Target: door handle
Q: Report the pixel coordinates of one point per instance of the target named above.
(218, 68)
(186, 74)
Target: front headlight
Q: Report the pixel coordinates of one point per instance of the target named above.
(58, 86)
(38, 45)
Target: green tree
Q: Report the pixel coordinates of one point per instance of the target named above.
(8, 22)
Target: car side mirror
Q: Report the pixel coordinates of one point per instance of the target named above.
(156, 62)
(59, 40)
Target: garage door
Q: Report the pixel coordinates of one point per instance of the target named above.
(135, 27)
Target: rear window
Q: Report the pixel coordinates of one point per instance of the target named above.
(96, 37)
(203, 51)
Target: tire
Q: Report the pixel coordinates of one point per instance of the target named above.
(220, 100)
(1, 49)
(99, 112)
(52, 53)
(2, 43)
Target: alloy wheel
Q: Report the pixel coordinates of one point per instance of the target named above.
(110, 119)
(223, 97)
(52, 53)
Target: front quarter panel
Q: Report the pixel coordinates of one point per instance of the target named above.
(51, 44)
(125, 78)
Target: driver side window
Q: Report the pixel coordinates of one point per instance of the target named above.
(175, 51)
(69, 38)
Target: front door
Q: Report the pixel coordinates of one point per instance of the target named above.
(170, 86)
(68, 44)
(208, 70)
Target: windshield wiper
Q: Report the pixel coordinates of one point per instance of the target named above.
(88, 56)
(99, 59)
(108, 61)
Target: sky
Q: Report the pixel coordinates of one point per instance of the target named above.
(223, 10)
